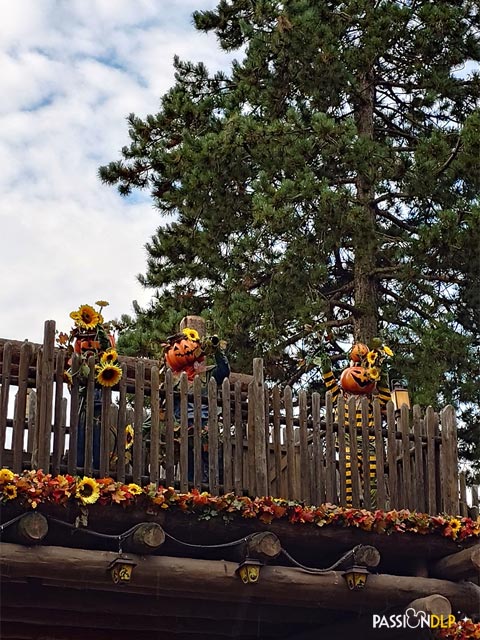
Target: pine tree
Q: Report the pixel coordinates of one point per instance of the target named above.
(329, 180)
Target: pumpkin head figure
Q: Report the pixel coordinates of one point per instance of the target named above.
(356, 380)
(182, 352)
(358, 352)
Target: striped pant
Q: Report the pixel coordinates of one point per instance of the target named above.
(368, 483)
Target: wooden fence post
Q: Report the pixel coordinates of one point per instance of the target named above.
(44, 428)
(449, 459)
(261, 483)
(20, 407)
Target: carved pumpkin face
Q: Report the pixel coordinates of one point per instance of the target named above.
(356, 380)
(182, 353)
(358, 352)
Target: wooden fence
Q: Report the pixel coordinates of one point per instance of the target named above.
(258, 440)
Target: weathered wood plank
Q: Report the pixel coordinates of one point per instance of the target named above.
(20, 408)
(197, 432)
(343, 472)
(380, 455)
(169, 429)
(183, 432)
(279, 485)
(318, 475)
(449, 456)
(74, 414)
(227, 437)
(407, 471)
(366, 489)
(330, 471)
(89, 418)
(46, 400)
(431, 455)
(106, 423)
(121, 426)
(392, 457)
(419, 485)
(353, 447)
(155, 427)
(238, 466)
(261, 474)
(138, 421)
(213, 467)
(287, 399)
(305, 466)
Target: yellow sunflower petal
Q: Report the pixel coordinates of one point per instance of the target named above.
(374, 373)
(387, 350)
(108, 374)
(134, 489)
(192, 334)
(88, 490)
(86, 317)
(10, 491)
(110, 356)
(6, 476)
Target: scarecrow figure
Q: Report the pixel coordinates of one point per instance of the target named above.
(363, 378)
(186, 352)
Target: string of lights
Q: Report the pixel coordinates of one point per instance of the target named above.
(119, 538)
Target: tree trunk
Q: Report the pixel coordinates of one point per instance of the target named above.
(365, 325)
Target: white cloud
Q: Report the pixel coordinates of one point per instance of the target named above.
(72, 70)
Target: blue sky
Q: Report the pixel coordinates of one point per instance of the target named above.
(72, 70)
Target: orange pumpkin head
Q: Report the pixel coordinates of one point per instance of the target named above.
(358, 352)
(357, 381)
(181, 353)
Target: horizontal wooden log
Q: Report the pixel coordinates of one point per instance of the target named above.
(459, 566)
(129, 620)
(435, 604)
(147, 537)
(25, 631)
(314, 546)
(22, 594)
(31, 528)
(216, 580)
(264, 546)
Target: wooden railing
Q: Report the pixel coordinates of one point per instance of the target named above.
(261, 440)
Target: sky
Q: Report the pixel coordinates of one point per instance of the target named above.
(72, 70)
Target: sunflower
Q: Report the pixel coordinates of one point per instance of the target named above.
(109, 356)
(10, 491)
(88, 490)
(102, 303)
(372, 357)
(191, 334)
(374, 373)
(128, 436)
(86, 317)
(455, 525)
(134, 489)
(108, 374)
(387, 350)
(6, 476)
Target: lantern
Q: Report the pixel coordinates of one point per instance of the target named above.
(357, 381)
(400, 394)
(356, 577)
(121, 569)
(249, 570)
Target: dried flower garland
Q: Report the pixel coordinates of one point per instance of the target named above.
(32, 488)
